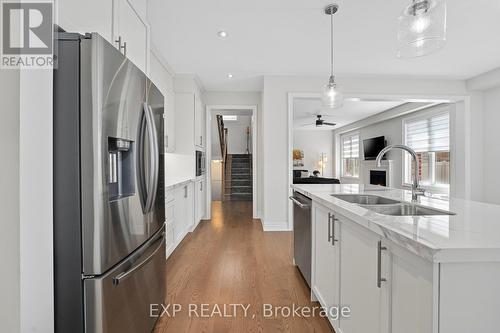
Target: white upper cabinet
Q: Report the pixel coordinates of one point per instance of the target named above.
(120, 22)
(184, 118)
(169, 122)
(199, 123)
(131, 33)
(83, 16)
(162, 78)
(189, 115)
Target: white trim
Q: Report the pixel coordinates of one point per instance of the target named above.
(156, 52)
(208, 122)
(275, 225)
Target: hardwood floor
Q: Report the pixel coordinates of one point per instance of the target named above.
(230, 260)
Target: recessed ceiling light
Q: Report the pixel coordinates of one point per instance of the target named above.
(222, 34)
(229, 76)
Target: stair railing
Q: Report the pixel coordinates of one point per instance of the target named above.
(223, 147)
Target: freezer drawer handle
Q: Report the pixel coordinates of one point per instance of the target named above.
(125, 275)
(298, 203)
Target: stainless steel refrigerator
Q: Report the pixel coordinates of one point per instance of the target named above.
(109, 234)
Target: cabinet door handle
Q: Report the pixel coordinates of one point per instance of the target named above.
(124, 47)
(380, 279)
(201, 186)
(330, 237)
(119, 42)
(331, 229)
(166, 141)
(185, 191)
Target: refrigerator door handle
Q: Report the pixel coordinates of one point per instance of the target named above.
(125, 275)
(141, 174)
(154, 158)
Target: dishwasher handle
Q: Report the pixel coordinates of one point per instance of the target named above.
(298, 203)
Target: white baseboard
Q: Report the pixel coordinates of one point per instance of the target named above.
(176, 243)
(274, 225)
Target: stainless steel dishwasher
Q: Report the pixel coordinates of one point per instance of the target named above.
(302, 234)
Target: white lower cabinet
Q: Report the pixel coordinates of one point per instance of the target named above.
(390, 288)
(179, 215)
(200, 200)
(326, 258)
(386, 287)
(412, 292)
(363, 279)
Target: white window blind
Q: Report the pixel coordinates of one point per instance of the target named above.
(350, 146)
(431, 134)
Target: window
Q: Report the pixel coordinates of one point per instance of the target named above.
(350, 156)
(229, 118)
(430, 138)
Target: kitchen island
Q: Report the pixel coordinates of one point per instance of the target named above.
(426, 273)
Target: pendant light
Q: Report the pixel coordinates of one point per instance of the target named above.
(332, 96)
(422, 28)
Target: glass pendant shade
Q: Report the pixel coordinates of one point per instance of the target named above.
(332, 95)
(422, 28)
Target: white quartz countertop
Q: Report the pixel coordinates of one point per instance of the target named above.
(473, 234)
(173, 182)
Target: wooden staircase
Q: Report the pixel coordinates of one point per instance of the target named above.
(236, 170)
(238, 178)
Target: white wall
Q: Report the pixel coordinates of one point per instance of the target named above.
(36, 217)
(484, 145)
(491, 130)
(313, 143)
(275, 138)
(237, 135)
(216, 181)
(9, 202)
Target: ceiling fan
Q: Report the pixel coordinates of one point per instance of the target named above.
(320, 122)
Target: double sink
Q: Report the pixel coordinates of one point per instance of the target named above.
(386, 206)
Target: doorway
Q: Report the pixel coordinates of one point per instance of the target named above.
(231, 154)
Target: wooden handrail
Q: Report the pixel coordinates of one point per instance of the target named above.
(223, 147)
(222, 137)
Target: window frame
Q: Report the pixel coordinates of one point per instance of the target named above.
(350, 134)
(436, 189)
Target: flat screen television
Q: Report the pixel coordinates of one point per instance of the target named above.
(373, 146)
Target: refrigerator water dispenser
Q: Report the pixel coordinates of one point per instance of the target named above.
(121, 168)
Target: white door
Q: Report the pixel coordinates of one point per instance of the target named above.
(362, 288)
(412, 290)
(170, 122)
(197, 200)
(133, 33)
(179, 213)
(190, 206)
(203, 201)
(198, 123)
(326, 257)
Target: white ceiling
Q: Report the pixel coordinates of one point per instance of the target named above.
(306, 109)
(291, 37)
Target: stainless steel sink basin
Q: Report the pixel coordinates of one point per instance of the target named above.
(365, 199)
(405, 209)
